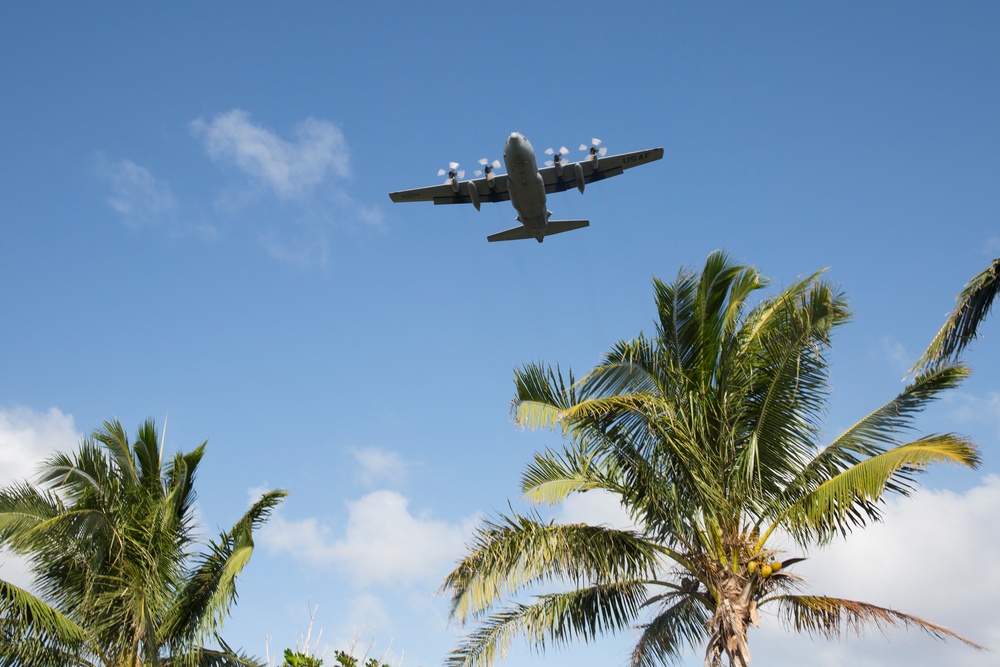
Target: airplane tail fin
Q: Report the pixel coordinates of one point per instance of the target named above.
(552, 227)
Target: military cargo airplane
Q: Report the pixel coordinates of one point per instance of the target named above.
(525, 185)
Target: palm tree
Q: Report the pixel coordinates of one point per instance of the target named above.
(961, 327)
(109, 535)
(708, 435)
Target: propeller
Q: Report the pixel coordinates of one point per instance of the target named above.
(488, 167)
(593, 149)
(557, 156)
(453, 173)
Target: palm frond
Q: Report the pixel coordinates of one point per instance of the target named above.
(877, 431)
(542, 394)
(34, 633)
(201, 606)
(788, 394)
(115, 439)
(224, 656)
(556, 618)
(553, 476)
(962, 326)
(851, 498)
(512, 553)
(663, 640)
(832, 618)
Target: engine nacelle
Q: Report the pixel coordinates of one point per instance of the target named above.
(578, 172)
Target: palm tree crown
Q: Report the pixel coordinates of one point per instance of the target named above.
(708, 433)
(108, 533)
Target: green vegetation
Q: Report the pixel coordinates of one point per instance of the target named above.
(344, 659)
(299, 659)
(708, 433)
(108, 534)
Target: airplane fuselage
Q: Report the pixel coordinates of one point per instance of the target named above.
(525, 184)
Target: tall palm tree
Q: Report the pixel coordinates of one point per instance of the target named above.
(109, 535)
(708, 434)
(962, 326)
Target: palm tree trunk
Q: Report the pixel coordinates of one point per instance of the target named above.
(728, 626)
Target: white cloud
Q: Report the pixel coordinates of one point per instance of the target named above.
(382, 543)
(380, 466)
(28, 437)
(138, 196)
(292, 169)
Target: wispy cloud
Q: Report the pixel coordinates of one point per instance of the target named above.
(380, 466)
(300, 253)
(968, 408)
(290, 168)
(291, 191)
(893, 352)
(136, 195)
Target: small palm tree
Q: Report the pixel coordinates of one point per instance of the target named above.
(962, 326)
(108, 533)
(708, 434)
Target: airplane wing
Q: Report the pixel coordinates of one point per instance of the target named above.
(609, 166)
(445, 192)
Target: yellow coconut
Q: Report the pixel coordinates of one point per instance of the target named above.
(765, 570)
(775, 566)
(752, 566)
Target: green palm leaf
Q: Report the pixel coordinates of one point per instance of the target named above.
(961, 328)
(34, 633)
(513, 553)
(556, 618)
(850, 498)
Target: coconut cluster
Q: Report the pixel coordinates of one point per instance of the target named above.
(765, 568)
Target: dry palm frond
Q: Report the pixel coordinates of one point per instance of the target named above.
(832, 618)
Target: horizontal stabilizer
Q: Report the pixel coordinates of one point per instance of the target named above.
(552, 227)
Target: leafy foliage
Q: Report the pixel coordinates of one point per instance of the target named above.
(709, 435)
(345, 659)
(299, 659)
(108, 535)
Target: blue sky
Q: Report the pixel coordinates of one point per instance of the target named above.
(194, 226)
